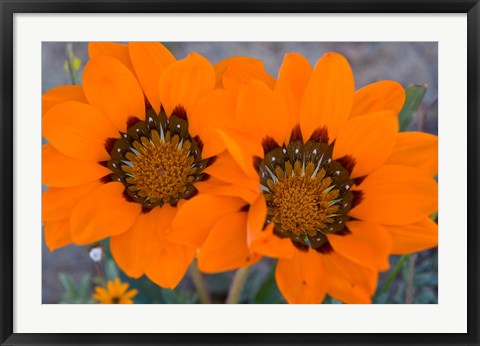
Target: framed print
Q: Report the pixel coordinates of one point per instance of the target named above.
(235, 173)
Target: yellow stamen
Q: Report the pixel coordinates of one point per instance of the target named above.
(303, 204)
(160, 170)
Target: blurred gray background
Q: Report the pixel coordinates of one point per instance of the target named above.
(405, 62)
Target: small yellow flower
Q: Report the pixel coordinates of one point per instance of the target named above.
(115, 293)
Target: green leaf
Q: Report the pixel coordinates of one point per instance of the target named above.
(426, 279)
(393, 274)
(85, 285)
(268, 292)
(74, 294)
(111, 270)
(413, 98)
(426, 296)
(68, 283)
(179, 297)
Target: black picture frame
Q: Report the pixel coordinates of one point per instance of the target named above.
(10, 7)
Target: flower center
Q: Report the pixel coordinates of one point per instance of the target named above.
(115, 300)
(157, 160)
(303, 203)
(308, 194)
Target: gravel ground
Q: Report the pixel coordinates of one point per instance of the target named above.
(404, 62)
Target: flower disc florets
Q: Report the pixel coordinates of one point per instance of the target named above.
(157, 160)
(308, 194)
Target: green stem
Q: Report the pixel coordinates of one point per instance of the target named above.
(393, 274)
(237, 285)
(410, 276)
(199, 283)
(71, 67)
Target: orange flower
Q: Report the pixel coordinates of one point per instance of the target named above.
(115, 293)
(128, 150)
(330, 185)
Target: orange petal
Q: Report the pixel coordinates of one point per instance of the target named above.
(213, 111)
(113, 88)
(328, 98)
(268, 244)
(257, 109)
(57, 234)
(112, 286)
(104, 212)
(218, 187)
(101, 295)
(149, 61)
(238, 73)
(130, 294)
(368, 139)
(196, 217)
(115, 50)
(383, 95)
(416, 149)
(185, 82)
(166, 214)
(61, 94)
(397, 195)
(222, 66)
(78, 130)
(349, 282)
(62, 171)
(57, 203)
(168, 266)
(226, 246)
(121, 287)
(302, 279)
(368, 244)
(243, 149)
(226, 169)
(293, 78)
(132, 250)
(257, 215)
(416, 237)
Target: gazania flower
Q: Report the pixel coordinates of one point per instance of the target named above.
(331, 188)
(127, 150)
(116, 292)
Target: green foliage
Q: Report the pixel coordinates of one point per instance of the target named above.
(267, 292)
(425, 280)
(261, 287)
(413, 98)
(150, 293)
(393, 274)
(76, 293)
(111, 269)
(179, 297)
(218, 284)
